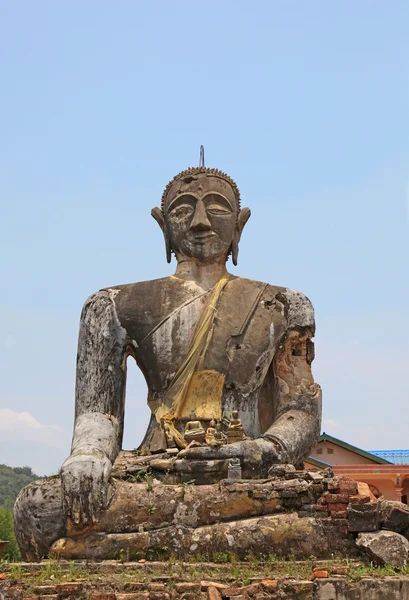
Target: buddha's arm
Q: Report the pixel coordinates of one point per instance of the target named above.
(297, 425)
(99, 408)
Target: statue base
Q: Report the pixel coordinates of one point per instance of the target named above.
(292, 513)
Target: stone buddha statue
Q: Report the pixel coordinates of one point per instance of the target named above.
(235, 431)
(206, 341)
(210, 434)
(193, 430)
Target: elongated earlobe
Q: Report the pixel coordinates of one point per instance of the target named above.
(243, 217)
(157, 214)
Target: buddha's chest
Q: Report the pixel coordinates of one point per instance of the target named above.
(241, 343)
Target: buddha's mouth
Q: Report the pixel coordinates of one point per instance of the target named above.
(203, 235)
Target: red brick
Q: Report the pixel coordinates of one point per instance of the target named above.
(156, 587)
(339, 569)
(68, 589)
(347, 486)
(102, 596)
(364, 490)
(319, 574)
(206, 584)
(213, 593)
(339, 514)
(270, 585)
(343, 485)
(358, 499)
(3, 576)
(159, 596)
(335, 498)
(337, 507)
(44, 589)
(249, 590)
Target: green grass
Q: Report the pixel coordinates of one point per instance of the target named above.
(227, 569)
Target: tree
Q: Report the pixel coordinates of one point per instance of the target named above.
(11, 482)
(7, 533)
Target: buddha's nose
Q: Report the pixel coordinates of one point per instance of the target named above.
(200, 220)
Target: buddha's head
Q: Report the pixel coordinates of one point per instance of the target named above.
(200, 216)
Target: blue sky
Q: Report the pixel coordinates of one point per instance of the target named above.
(304, 104)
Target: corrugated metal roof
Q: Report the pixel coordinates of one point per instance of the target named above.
(397, 457)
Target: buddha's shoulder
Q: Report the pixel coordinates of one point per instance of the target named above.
(294, 305)
(142, 288)
(151, 295)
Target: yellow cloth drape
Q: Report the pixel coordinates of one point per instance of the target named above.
(176, 393)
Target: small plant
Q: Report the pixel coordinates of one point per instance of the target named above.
(52, 570)
(123, 555)
(139, 476)
(221, 557)
(16, 571)
(72, 571)
(252, 560)
(151, 508)
(272, 559)
(149, 482)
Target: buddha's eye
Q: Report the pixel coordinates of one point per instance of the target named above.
(182, 211)
(217, 209)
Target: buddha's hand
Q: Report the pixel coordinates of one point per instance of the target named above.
(256, 456)
(85, 483)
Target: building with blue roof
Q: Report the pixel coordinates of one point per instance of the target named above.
(396, 457)
(385, 471)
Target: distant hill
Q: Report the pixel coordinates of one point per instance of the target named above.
(12, 481)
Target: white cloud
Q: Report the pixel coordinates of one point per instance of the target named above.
(26, 441)
(15, 424)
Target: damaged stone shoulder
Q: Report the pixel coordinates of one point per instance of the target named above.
(300, 311)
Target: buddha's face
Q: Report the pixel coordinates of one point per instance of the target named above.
(201, 217)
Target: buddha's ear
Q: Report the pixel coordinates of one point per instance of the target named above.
(159, 217)
(243, 217)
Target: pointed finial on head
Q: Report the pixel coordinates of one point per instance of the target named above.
(201, 161)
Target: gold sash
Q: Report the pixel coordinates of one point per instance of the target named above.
(189, 374)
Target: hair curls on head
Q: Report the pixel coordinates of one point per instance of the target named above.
(196, 171)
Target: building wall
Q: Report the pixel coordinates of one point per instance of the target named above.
(334, 455)
(385, 486)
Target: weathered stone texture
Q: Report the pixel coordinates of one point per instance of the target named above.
(201, 519)
(364, 517)
(395, 516)
(385, 547)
